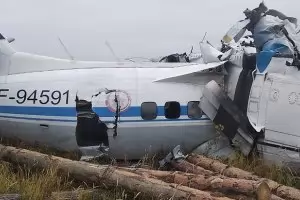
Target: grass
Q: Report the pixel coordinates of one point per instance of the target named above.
(15, 142)
(253, 163)
(37, 184)
(30, 184)
(33, 184)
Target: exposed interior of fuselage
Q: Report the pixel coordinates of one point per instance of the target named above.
(92, 134)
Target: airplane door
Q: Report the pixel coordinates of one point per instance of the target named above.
(282, 124)
(90, 130)
(92, 134)
(258, 101)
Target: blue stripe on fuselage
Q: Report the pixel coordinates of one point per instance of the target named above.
(112, 121)
(133, 111)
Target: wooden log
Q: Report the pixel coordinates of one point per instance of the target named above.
(98, 174)
(219, 167)
(188, 167)
(10, 196)
(219, 183)
(280, 190)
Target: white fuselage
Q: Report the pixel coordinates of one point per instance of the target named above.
(37, 104)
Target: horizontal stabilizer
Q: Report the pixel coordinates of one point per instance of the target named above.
(188, 69)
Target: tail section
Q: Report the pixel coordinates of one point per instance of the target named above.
(5, 47)
(6, 51)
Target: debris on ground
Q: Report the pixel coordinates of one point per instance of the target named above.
(195, 177)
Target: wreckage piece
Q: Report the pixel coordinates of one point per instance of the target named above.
(176, 159)
(175, 58)
(235, 33)
(266, 26)
(226, 115)
(181, 58)
(109, 175)
(210, 183)
(281, 191)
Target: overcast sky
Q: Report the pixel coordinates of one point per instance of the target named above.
(144, 28)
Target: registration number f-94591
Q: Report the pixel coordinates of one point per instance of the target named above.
(53, 97)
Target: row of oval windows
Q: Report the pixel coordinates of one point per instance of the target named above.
(172, 110)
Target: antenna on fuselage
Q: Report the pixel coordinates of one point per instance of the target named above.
(112, 51)
(204, 37)
(65, 48)
(201, 55)
(202, 40)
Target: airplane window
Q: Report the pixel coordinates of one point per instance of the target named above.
(172, 110)
(194, 112)
(149, 110)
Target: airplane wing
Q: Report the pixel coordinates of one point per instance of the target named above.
(188, 70)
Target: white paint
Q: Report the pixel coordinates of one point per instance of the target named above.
(85, 79)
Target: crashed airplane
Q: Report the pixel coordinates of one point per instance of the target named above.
(248, 91)
(257, 106)
(123, 109)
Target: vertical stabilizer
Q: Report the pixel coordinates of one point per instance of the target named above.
(6, 51)
(5, 47)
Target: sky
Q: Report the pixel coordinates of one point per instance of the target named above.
(133, 28)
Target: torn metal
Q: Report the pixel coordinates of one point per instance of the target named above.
(185, 57)
(91, 132)
(229, 119)
(261, 86)
(174, 155)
